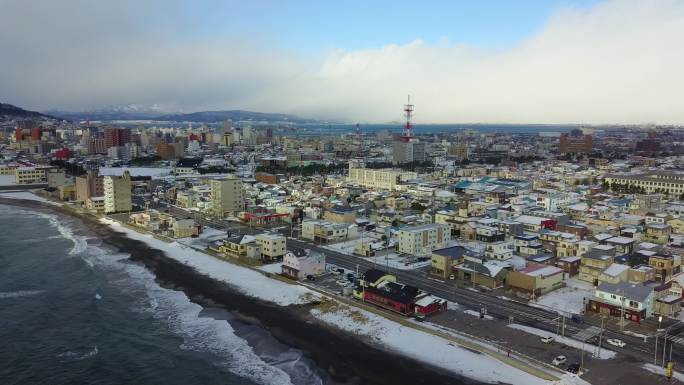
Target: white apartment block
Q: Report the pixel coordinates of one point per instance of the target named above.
(421, 240)
(117, 193)
(380, 178)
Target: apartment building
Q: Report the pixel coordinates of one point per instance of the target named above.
(227, 196)
(88, 186)
(422, 240)
(30, 175)
(592, 265)
(117, 193)
(273, 246)
(387, 179)
(325, 232)
(658, 181)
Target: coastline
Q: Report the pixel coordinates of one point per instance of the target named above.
(346, 357)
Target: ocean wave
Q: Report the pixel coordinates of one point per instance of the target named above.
(20, 293)
(78, 356)
(175, 309)
(80, 242)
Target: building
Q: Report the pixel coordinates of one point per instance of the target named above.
(404, 151)
(240, 247)
(227, 196)
(340, 214)
(117, 193)
(534, 280)
(667, 182)
(481, 272)
(444, 259)
(299, 264)
(499, 250)
(575, 143)
(273, 246)
(422, 240)
(30, 175)
(88, 186)
(665, 266)
(634, 301)
(387, 179)
(169, 151)
(116, 137)
(592, 265)
(324, 232)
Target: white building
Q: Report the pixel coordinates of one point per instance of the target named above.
(117, 193)
(227, 196)
(499, 250)
(380, 178)
(421, 240)
(298, 264)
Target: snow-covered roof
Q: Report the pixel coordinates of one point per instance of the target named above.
(615, 269)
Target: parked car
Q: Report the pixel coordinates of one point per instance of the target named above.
(560, 360)
(547, 340)
(452, 276)
(616, 342)
(576, 318)
(573, 368)
(310, 277)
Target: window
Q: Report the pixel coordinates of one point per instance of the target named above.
(612, 296)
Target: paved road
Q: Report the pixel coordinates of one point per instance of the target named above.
(497, 307)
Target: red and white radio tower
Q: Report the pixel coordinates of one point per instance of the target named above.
(358, 139)
(408, 126)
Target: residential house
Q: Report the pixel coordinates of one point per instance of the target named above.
(631, 301)
(658, 233)
(273, 246)
(527, 245)
(592, 266)
(324, 232)
(665, 266)
(615, 273)
(241, 247)
(444, 259)
(481, 272)
(499, 250)
(300, 263)
(570, 265)
(534, 280)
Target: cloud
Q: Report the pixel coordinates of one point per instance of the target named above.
(616, 62)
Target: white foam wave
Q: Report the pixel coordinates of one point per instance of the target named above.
(181, 315)
(20, 293)
(78, 356)
(80, 242)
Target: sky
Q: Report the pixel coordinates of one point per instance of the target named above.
(487, 61)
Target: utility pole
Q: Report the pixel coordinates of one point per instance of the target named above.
(622, 311)
(655, 351)
(665, 346)
(600, 337)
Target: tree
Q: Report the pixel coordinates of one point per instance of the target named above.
(395, 223)
(417, 206)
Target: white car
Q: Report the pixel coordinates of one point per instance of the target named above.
(560, 360)
(547, 340)
(616, 342)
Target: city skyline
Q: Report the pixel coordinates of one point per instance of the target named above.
(534, 62)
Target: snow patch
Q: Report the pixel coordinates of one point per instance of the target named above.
(589, 348)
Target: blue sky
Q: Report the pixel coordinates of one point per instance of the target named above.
(318, 26)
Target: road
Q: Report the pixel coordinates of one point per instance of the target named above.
(501, 308)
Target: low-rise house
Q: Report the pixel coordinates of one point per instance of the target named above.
(641, 274)
(527, 245)
(300, 263)
(658, 233)
(534, 280)
(567, 248)
(340, 214)
(95, 204)
(615, 273)
(615, 299)
(443, 260)
(592, 266)
(490, 274)
(665, 266)
(623, 245)
(570, 265)
(325, 232)
(499, 250)
(584, 247)
(244, 246)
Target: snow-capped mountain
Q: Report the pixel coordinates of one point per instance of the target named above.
(130, 111)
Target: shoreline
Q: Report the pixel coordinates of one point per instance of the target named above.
(345, 357)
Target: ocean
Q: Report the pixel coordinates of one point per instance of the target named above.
(75, 311)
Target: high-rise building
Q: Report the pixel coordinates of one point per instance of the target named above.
(89, 186)
(115, 137)
(408, 151)
(575, 143)
(117, 193)
(227, 196)
(169, 151)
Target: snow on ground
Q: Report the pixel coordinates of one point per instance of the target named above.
(28, 196)
(136, 171)
(7, 180)
(389, 260)
(208, 236)
(589, 348)
(569, 299)
(477, 314)
(425, 347)
(346, 247)
(275, 268)
(243, 279)
(661, 371)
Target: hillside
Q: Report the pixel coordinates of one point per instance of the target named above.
(234, 115)
(12, 112)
